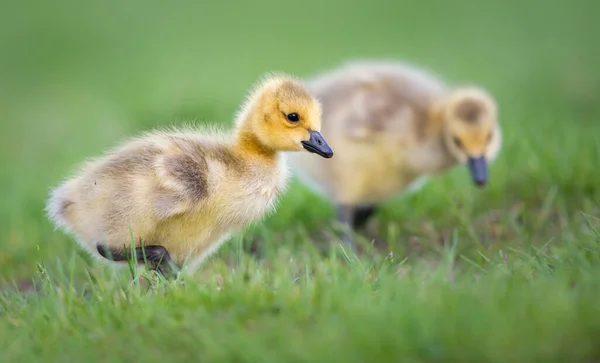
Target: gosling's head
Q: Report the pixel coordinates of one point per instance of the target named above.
(284, 116)
(471, 130)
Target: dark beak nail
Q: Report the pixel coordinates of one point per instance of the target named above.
(317, 144)
(479, 170)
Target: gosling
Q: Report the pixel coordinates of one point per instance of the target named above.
(181, 193)
(394, 125)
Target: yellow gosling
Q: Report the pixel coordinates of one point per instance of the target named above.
(182, 193)
(392, 126)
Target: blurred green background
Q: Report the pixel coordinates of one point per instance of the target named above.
(77, 77)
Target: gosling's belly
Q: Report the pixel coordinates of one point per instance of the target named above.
(377, 190)
(195, 237)
(188, 239)
(393, 188)
(370, 184)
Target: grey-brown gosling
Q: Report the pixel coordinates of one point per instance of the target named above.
(181, 193)
(393, 125)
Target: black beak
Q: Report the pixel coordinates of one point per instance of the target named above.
(479, 172)
(317, 144)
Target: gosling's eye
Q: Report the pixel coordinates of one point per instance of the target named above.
(292, 117)
(457, 142)
(489, 138)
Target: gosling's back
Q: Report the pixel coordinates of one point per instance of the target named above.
(378, 116)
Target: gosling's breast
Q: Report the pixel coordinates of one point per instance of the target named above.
(258, 193)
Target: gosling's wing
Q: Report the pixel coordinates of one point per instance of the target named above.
(188, 170)
(182, 183)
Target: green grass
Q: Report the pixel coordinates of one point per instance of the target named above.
(520, 306)
(506, 273)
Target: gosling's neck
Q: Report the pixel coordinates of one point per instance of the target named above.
(248, 145)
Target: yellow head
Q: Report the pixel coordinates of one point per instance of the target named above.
(282, 115)
(471, 130)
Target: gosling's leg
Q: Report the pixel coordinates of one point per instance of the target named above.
(345, 217)
(158, 257)
(362, 216)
